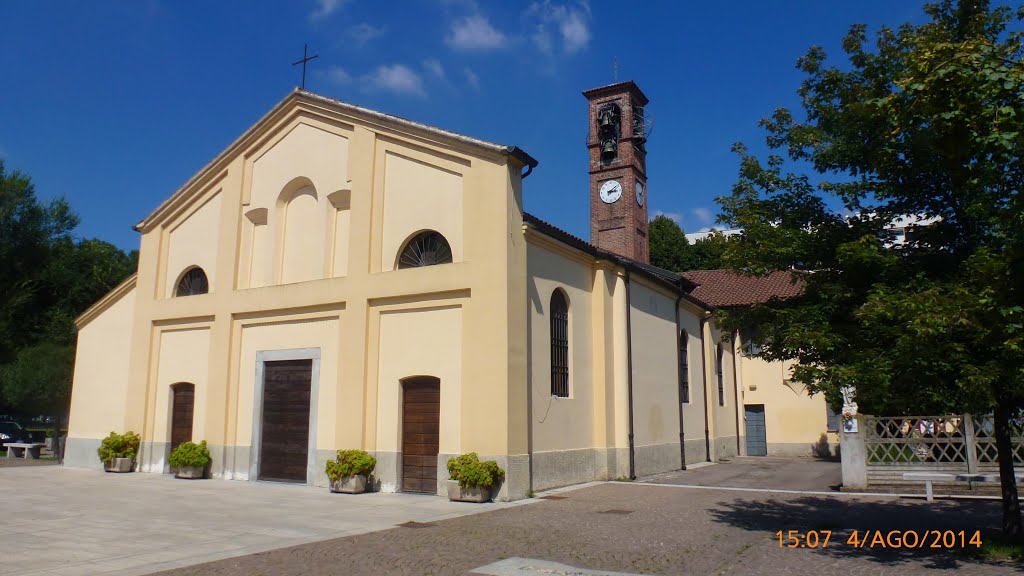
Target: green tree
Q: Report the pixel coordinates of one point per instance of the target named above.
(28, 229)
(669, 248)
(927, 121)
(47, 278)
(667, 244)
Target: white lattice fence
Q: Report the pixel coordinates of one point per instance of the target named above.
(954, 444)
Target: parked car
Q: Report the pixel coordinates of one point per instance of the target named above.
(13, 432)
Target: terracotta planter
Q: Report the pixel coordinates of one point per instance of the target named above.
(349, 484)
(190, 472)
(119, 465)
(457, 493)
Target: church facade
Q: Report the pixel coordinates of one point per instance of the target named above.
(341, 278)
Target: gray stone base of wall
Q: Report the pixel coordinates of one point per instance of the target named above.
(656, 459)
(723, 447)
(81, 453)
(696, 451)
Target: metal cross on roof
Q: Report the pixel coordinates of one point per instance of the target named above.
(305, 58)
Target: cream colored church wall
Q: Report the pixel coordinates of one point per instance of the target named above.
(422, 340)
(567, 434)
(655, 379)
(101, 379)
(413, 192)
(182, 357)
(693, 411)
(794, 420)
(200, 228)
(727, 441)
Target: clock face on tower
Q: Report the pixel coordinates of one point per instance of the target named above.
(639, 194)
(611, 191)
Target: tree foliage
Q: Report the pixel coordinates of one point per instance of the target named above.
(926, 121)
(669, 248)
(47, 278)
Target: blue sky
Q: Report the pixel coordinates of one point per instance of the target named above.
(116, 104)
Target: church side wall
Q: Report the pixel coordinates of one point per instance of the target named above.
(655, 380)
(101, 382)
(565, 449)
(726, 441)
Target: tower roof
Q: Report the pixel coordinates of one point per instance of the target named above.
(618, 88)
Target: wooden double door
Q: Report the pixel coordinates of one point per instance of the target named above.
(284, 431)
(421, 417)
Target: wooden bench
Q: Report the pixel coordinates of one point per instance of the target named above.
(24, 450)
(929, 477)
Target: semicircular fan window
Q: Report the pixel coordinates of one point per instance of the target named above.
(193, 282)
(425, 249)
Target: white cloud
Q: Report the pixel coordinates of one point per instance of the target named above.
(362, 33)
(396, 78)
(325, 8)
(472, 79)
(704, 216)
(475, 33)
(568, 22)
(674, 216)
(336, 75)
(433, 65)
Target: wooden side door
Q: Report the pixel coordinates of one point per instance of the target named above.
(182, 408)
(284, 432)
(421, 415)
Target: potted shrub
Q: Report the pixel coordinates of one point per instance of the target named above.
(349, 470)
(190, 460)
(117, 451)
(472, 480)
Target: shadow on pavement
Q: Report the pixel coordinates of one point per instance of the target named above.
(868, 517)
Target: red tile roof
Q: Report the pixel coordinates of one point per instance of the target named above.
(727, 288)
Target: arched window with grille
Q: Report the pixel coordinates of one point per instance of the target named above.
(192, 282)
(720, 357)
(684, 368)
(427, 248)
(559, 344)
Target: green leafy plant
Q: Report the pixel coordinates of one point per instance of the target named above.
(350, 463)
(119, 446)
(190, 454)
(470, 472)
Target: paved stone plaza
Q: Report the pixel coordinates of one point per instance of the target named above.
(67, 521)
(71, 521)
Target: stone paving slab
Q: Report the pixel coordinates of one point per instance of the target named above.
(649, 529)
(801, 474)
(75, 522)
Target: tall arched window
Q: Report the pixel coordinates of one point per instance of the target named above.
(721, 378)
(425, 249)
(684, 369)
(192, 282)
(559, 344)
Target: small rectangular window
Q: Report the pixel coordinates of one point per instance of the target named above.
(721, 375)
(831, 419)
(684, 369)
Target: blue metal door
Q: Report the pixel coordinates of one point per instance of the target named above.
(757, 441)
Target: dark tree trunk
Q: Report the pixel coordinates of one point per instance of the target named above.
(1007, 478)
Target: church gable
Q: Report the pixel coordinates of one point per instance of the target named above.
(296, 220)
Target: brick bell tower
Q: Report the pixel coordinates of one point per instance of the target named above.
(618, 170)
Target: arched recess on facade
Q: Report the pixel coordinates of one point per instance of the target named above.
(299, 220)
(421, 433)
(183, 401)
(424, 248)
(191, 282)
